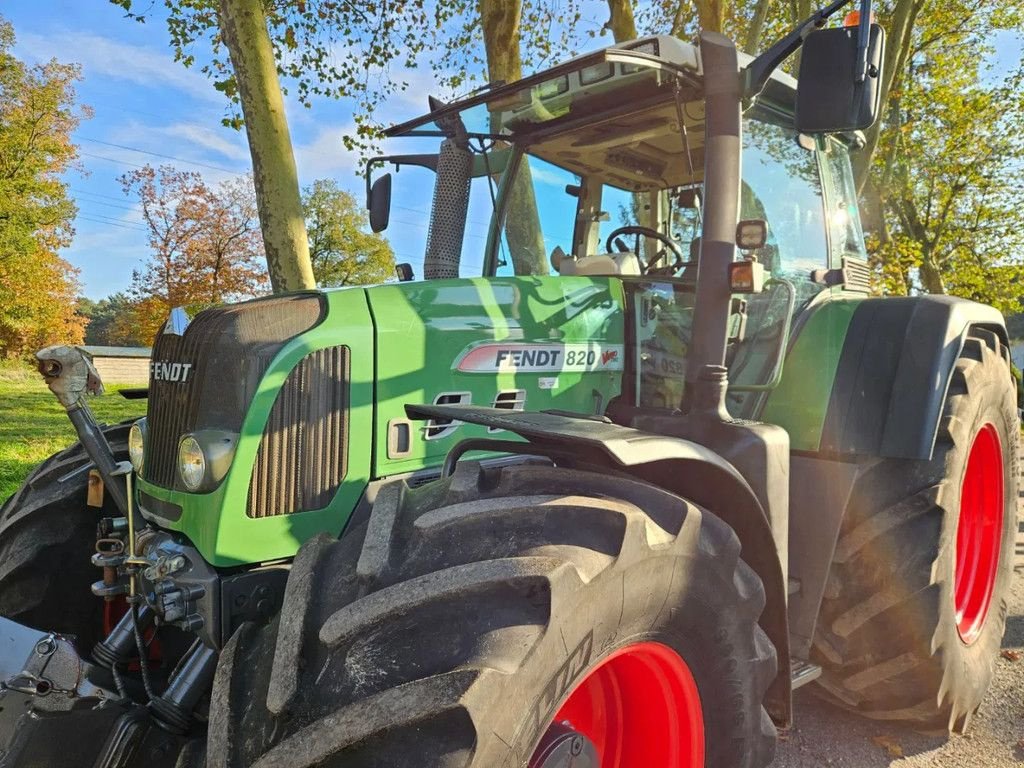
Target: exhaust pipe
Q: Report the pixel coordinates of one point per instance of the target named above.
(723, 145)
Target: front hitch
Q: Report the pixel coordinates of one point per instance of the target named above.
(70, 376)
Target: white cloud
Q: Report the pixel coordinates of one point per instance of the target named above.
(216, 141)
(105, 57)
(326, 155)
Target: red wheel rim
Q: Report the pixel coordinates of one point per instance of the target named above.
(979, 533)
(640, 708)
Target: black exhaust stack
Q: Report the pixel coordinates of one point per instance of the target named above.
(722, 142)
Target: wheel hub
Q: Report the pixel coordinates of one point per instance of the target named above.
(562, 747)
(638, 708)
(979, 534)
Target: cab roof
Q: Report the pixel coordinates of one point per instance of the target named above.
(583, 86)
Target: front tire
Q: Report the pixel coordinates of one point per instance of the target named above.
(915, 607)
(47, 537)
(478, 615)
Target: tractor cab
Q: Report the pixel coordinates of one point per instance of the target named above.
(597, 168)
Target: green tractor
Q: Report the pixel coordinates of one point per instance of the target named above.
(604, 506)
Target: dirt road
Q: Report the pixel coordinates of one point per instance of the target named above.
(825, 736)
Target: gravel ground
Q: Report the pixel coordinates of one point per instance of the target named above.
(826, 736)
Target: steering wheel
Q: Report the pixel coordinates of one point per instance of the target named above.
(650, 267)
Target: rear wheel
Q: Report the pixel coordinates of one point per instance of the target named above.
(47, 537)
(915, 608)
(498, 618)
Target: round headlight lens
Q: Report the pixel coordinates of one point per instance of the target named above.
(191, 463)
(137, 444)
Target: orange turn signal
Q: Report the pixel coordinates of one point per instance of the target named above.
(746, 276)
(853, 19)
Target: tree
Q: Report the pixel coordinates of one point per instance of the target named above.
(243, 27)
(206, 244)
(341, 250)
(111, 321)
(943, 187)
(37, 118)
(295, 40)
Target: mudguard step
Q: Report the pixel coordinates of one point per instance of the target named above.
(803, 672)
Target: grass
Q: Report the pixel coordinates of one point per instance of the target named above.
(33, 425)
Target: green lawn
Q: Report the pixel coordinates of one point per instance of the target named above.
(33, 425)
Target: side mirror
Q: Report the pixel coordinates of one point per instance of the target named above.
(378, 202)
(829, 99)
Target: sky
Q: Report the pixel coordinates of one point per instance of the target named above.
(147, 108)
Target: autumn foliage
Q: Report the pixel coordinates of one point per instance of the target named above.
(37, 287)
(205, 244)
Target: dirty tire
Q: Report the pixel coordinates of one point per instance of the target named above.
(47, 536)
(447, 630)
(888, 636)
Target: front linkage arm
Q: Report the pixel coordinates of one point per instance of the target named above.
(70, 376)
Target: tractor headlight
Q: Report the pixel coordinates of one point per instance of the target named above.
(137, 444)
(205, 457)
(191, 463)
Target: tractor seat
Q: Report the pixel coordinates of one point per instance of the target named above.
(600, 264)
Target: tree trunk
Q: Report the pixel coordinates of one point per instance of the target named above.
(931, 276)
(897, 48)
(711, 15)
(500, 20)
(243, 28)
(752, 43)
(621, 21)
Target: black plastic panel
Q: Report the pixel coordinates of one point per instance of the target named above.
(206, 378)
(893, 374)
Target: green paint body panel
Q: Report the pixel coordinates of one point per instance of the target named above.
(216, 522)
(405, 339)
(800, 403)
(411, 342)
(425, 329)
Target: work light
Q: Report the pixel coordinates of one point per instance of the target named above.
(137, 443)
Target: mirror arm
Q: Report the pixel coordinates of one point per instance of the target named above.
(756, 74)
(423, 161)
(863, 40)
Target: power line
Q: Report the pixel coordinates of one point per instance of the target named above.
(114, 160)
(109, 223)
(108, 205)
(119, 222)
(158, 154)
(81, 191)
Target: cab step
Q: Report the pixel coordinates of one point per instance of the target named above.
(803, 672)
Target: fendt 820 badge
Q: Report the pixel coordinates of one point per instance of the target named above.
(604, 505)
(541, 358)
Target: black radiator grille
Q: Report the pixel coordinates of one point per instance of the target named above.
(302, 458)
(228, 350)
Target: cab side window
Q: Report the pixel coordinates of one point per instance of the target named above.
(845, 232)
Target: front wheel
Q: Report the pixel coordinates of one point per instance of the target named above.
(505, 619)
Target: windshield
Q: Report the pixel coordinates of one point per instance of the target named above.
(557, 218)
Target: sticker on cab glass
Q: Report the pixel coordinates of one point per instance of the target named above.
(541, 358)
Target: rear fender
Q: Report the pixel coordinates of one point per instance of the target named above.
(894, 371)
(681, 466)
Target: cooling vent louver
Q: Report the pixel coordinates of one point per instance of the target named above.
(302, 458)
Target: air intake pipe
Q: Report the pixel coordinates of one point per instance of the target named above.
(451, 201)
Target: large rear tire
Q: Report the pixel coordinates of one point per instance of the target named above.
(916, 602)
(475, 617)
(47, 537)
